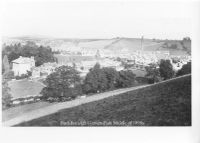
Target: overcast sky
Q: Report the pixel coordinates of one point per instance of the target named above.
(98, 19)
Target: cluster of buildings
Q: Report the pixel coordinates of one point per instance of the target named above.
(85, 58)
(24, 64)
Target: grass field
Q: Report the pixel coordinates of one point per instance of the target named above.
(164, 104)
(22, 88)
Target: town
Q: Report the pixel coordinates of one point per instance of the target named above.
(137, 58)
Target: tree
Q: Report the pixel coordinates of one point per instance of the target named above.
(186, 69)
(64, 82)
(112, 77)
(6, 66)
(126, 79)
(153, 73)
(166, 69)
(95, 80)
(40, 53)
(6, 96)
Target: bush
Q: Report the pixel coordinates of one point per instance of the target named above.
(142, 80)
(6, 96)
(186, 69)
(23, 76)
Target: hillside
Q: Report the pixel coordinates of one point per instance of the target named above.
(176, 47)
(164, 104)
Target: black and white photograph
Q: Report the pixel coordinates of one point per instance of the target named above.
(99, 63)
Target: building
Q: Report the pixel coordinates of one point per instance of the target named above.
(44, 70)
(22, 65)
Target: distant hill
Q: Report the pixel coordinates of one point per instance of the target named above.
(176, 47)
(132, 44)
(163, 104)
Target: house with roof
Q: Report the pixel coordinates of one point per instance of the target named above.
(22, 65)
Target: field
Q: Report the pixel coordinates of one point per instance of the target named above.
(22, 88)
(164, 104)
(22, 109)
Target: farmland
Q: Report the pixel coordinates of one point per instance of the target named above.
(164, 104)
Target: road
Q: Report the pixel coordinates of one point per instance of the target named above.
(69, 104)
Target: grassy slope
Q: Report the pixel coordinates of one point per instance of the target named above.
(165, 104)
(22, 109)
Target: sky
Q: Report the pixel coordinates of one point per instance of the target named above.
(99, 19)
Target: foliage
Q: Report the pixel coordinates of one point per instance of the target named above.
(64, 82)
(112, 77)
(153, 73)
(186, 69)
(6, 96)
(8, 75)
(5, 65)
(186, 43)
(41, 54)
(103, 79)
(166, 69)
(23, 76)
(126, 79)
(95, 80)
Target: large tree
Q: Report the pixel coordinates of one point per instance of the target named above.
(126, 79)
(153, 73)
(95, 81)
(112, 77)
(166, 69)
(64, 82)
(186, 69)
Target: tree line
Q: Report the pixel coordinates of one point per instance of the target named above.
(164, 71)
(41, 54)
(66, 82)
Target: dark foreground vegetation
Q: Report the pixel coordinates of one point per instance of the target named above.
(164, 104)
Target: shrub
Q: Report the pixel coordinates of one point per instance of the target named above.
(186, 69)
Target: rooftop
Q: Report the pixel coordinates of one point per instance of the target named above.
(23, 60)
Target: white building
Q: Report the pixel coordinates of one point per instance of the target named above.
(22, 65)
